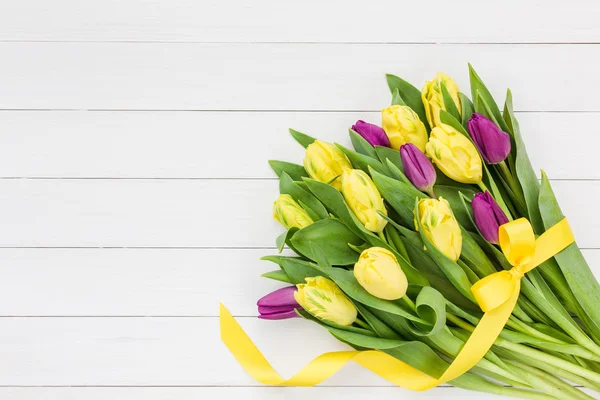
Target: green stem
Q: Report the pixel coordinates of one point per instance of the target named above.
(382, 236)
(363, 324)
(410, 303)
(548, 359)
(549, 383)
(430, 193)
(524, 328)
(509, 178)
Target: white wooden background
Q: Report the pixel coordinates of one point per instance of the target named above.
(135, 193)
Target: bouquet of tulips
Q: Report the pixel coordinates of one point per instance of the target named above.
(397, 239)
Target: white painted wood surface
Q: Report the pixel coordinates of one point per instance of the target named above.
(135, 193)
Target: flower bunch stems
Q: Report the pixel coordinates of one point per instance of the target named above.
(392, 237)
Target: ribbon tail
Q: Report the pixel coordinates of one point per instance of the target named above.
(319, 369)
(482, 338)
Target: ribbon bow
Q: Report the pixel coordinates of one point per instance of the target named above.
(524, 253)
(497, 295)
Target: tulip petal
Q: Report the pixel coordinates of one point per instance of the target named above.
(371, 133)
(280, 297)
(285, 315)
(275, 310)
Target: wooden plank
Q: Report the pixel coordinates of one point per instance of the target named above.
(155, 352)
(308, 21)
(139, 282)
(188, 76)
(246, 393)
(230, 144)
(183, 213)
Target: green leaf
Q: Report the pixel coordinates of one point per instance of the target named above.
(295, 171)
(525, 173)
(575, 269)
(298, 270)
(361, 161)
(451, 120)
(335, 234)
(277, 275)
(302, 138)
(450, 268)
(319, 256)
(449, 103)
(433, 273)
(488, 181)
(380, 328)
(431, 306)
(364, 341)
(335, 202)
(386, 153)
(397, 99)
(477, 85)
(331, 325)
(309, 211)
(411, 96)
(398, 173)
(475, 257)
(399, 195)
(467, 110)
(361, 145)
(288, 186)
(284, 238)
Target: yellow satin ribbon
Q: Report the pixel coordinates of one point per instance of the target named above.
(497, 295)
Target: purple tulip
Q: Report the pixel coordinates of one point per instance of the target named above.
(488, 216)
(371, 133)
(417, 168)
(279, 304)
(493, 144)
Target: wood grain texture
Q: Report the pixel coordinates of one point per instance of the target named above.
(165, 113)
(184, 213)
(325, 77)
(472, 21)
(246, 393)
(140, 282)
(156, 352)
(146, 144)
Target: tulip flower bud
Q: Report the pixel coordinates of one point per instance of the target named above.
(324, 161)
(402, 125)
(371, 133)
(379, 273)
(454, 154)
(440, 226)
(364, 199)
(417, 168)
(279, 304)
(488, 216)
(433, 98)
(325, 300)
(289, 213)
(493, 143)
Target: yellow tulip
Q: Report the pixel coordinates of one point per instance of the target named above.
(325, 300)
(364, 199)
(402, 125)
(379, 273)
(454, 154)
(440, 226)
(433, 98)
(323, 161)
(289, 213)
